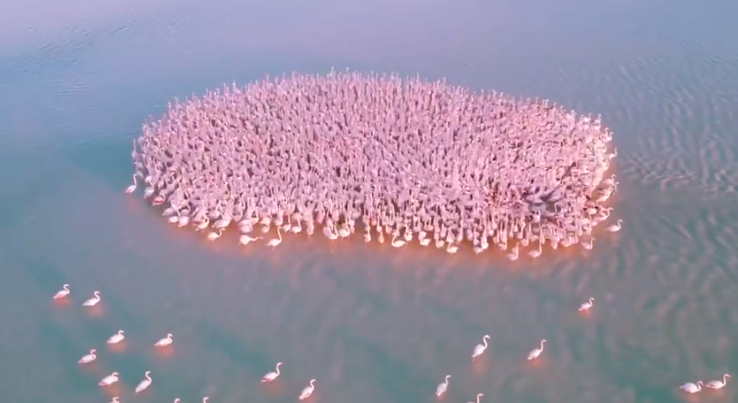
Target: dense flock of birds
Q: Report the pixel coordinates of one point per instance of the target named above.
(403, 159)
(478, 351)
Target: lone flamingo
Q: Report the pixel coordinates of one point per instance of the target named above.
(271, 375)
(308, 390)
(63, 292)
(536, 352)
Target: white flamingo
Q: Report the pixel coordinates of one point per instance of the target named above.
(718, 384)
(63, 292)
(441, 389)
(88, 358)
(109, 380)
(132, 188)
(94, 300)
(514, 253)
(165, 341)
(479, 397)
(690, 387)
(615, 227)
(536, 352)
(117, 338)
(480, 348)
(245, 239)
(586, 306)
(452, 248)
(536, 252)
(271, 375)
(145, 383)
(397, 242)
(202, 224)
(215, 235)
(308, 390)
(274, 242)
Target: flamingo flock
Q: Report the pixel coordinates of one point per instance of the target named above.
(477, 352)
(395, 158)
(119, 336)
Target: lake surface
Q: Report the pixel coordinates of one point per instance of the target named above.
(370, 323)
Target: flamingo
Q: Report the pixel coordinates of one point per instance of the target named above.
(479, 397)
(132, 188)
(587, 305)
(479, 349)
(451, 248)
(536, 352)
(535, 253)
(94, 300)
(63, 292)
(215, 235)
(441, 389)
(88, 358)
(203, 224)
(690, 387)
(109, 380)
(397, 242)
(271, 375)
(158, 200)
(615, 227)
(165, 341)
(117, 338)
(274, 242)
(308, 390)
(245, 239)
(145, 383)
(718, 384)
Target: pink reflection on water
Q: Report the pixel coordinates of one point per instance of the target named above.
(164, 352)
(119, 347)
(95, 311)
(61, 302)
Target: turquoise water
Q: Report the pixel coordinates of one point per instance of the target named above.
(369, 322)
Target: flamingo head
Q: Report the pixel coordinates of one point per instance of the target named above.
(115, 374)
(479, 395)
(121, 332)
(448, 377)
(147, 373)
(312, 381)
(278, 364)
(486, 336)
(169, 335)
(205, 399)
(93, 351)
(726, 375)
(544, 341)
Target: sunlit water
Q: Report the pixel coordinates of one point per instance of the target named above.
(369, 322)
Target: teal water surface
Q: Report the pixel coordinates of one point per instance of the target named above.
(369, 322)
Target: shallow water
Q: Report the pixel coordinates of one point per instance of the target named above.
(371, 323)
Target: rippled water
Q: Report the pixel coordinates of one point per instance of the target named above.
(371, 324)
